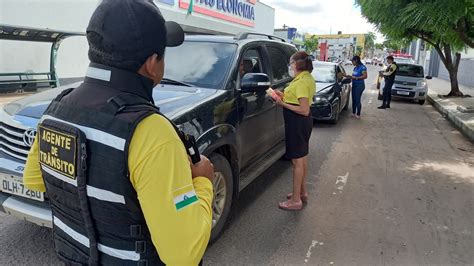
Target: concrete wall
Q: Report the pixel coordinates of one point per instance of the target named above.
(74, 15)
(465, 74)
(70, 15)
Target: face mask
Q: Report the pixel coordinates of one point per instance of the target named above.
(291, 72)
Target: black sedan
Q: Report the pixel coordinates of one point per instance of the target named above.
(332, 91)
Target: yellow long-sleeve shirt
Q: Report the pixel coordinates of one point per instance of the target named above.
(159, 170)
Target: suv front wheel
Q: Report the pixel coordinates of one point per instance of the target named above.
(223, 191)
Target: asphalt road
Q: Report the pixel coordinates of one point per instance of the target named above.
(395, 188)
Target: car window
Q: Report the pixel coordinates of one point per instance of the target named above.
(251, 62)
(340, 73)
(324, 73)
(205, 68)
(410, 71)
(279, 61)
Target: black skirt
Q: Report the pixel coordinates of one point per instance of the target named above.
(298, 130)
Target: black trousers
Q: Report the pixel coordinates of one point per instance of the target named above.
(387, 92)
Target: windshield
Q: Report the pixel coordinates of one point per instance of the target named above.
(324, 73)
(410, 71)
(201, 64)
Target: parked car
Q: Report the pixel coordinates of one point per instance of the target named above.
(398, 60)
(410, 83)
(204, 93)
(332, 91)
(368, 61)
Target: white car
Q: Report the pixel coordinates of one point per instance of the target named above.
(368, 61)
(410, 83)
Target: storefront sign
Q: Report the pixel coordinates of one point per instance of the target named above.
(237, 11)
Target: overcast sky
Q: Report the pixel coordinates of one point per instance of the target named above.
(320, 16)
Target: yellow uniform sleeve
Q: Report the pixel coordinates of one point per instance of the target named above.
(32, 177)
(176, 207)
(392, 69)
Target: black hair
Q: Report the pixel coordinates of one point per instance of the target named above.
(390, 58)
(356, 58)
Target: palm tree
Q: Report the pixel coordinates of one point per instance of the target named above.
(369, 44)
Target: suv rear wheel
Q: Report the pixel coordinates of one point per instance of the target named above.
(421, 102)
(223, 191)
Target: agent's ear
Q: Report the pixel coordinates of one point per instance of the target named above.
(151, 65)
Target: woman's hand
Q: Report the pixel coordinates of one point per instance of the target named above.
(279, 101)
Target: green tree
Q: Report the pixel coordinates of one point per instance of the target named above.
(311, 44)
(369, 44)
(359, 50)
(379, 46)
(446, 25)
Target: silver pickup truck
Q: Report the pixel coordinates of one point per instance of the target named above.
(18, 129)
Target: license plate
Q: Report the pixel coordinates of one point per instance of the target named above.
(403, 92)
(13, 185)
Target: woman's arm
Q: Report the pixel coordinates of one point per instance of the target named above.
(302, 109)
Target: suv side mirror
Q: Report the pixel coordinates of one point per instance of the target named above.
(429, 77)
(252, 82)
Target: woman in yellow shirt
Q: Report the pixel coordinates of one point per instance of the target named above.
(296, 101)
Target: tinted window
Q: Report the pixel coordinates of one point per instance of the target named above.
(279, 61)
(410, 71)
(324, 73)
(202, 64)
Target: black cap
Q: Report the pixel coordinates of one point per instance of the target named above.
(124, 33)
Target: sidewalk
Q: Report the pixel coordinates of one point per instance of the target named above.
(460, 111)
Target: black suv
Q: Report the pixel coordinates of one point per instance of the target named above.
(214, 89)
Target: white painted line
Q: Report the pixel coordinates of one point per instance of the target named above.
(308, 254)
(341, 181)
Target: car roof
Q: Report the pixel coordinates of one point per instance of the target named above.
(231, 39)
(316, 62)
(409, 64)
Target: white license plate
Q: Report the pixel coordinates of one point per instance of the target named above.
(13, 185)
(403, 92)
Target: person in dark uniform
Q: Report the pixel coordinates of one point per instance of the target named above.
(358, 76)
(389, 75)
(122, 188)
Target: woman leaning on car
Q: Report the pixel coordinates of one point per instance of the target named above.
(296, 101)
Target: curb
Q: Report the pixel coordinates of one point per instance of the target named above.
(452, 117)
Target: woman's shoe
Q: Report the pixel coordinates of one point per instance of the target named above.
(304, 198)
(358, 117)
(291, 206)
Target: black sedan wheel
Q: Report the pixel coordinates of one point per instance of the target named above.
(335, 115)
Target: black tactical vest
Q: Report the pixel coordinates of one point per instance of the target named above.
(83, 147)
(392, 76)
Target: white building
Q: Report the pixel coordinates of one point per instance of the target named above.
(208, 16)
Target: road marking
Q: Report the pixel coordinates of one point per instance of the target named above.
(370, 100)
(314, 243)
(341, 181)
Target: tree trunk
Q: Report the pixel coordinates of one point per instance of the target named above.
(452, 68)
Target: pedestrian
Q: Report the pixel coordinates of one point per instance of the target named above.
(121, 187)
(389, 76)
(296, 101)
(358, 76)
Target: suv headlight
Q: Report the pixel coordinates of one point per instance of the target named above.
(421, 83)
